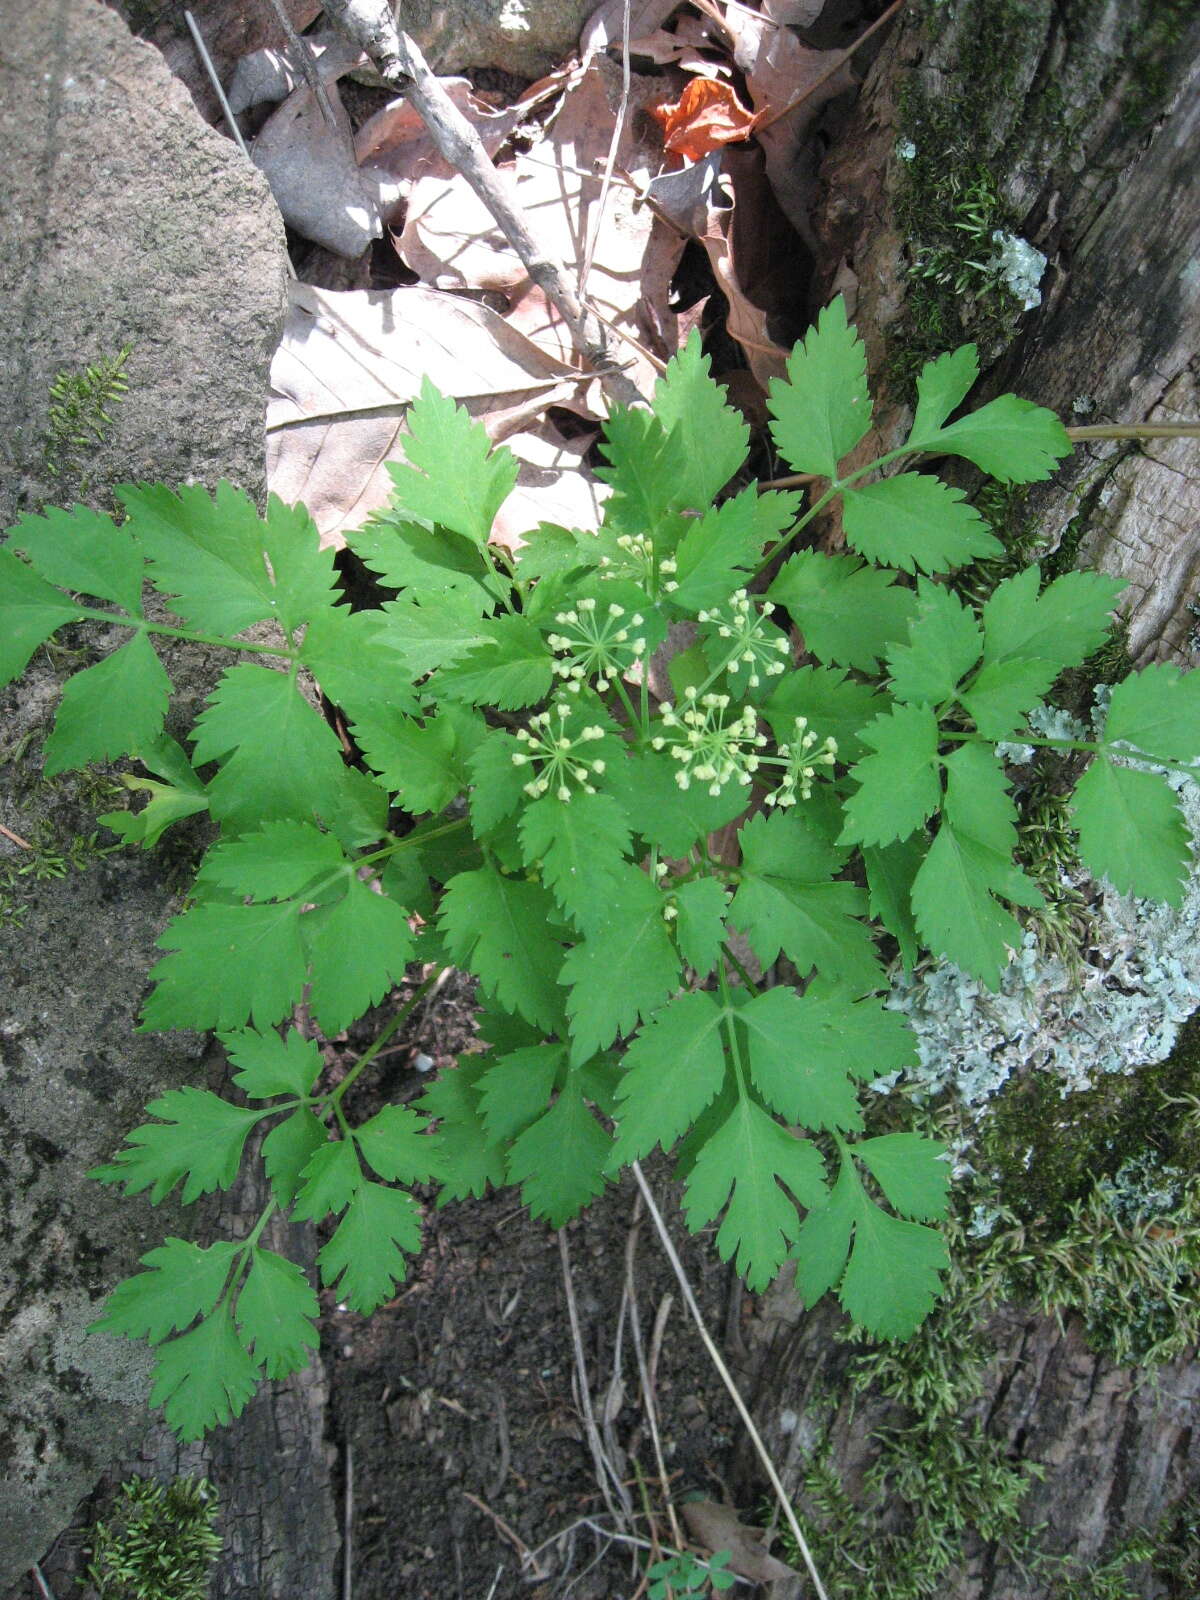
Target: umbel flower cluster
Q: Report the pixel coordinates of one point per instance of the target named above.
(599, 644)
(708, 748)
(555, 754)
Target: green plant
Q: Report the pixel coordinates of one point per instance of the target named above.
(79, 418)
(158, 1544)
(683, 1574)
(560, 809)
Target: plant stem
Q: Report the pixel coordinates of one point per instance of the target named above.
(143, 625)
(385, 1033)
(1042, 742)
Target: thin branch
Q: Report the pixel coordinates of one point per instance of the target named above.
(604, 1469)
(348, 1526)
(15, 837)
(646, 1376)
(1135, 430)
(369, 23)
(528, 1557)
(306, 61)
(611, 159)
(727, 1379)
(207, 62)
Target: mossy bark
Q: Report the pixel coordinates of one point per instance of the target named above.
(1072, 125)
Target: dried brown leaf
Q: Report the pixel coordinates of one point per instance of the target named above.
(717, 1528)
(314, 176)
(707, 115)
(271, 75)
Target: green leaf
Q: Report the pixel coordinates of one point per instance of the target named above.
(1132, 832)
(276, 1312)
(428, 560)
(891, 869)
(428, 633)
(226, 568)
(622, 970)
(1065, 623)
(110, 709)
(288, 1149)
(279, 757)
(806, 1086)
(701, 905)
(786, 902)
(831, 703)
(893, 1279)
(1001, 694)
(204, 1378)
(228, 965)
(559, 1160)
(183, 1281)
(471, 1159)
(198, 1143)
(709, 438)
(497, 781)
(167, 805)
(662, 813)
(1158, 710)
(85, 551)
(358, 947)
(581, 846)
(849, 614)
(942, 385)
(268, 1065)
(398, 1145)
(915, 521)
(364, 1261)
(276, 862)
(944, 644)
(968, 865)
(500, 929)
(517, 1087)
(673, 1070)
(824, 409)
(643, 484)
(898, 786)
(752, 1156)
(30, 611)
(350, 653)
(911, 1171)
(1011, 439)
(415, 760)
(719, 552)
(331, 1179)
(512, 669)
(453, 477)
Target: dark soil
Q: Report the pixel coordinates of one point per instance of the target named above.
(461, 1394)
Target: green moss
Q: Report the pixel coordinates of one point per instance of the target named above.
(158, 1543)
(1153, 61)
(79, 418)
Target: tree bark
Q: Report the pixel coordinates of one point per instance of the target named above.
(1089, 132)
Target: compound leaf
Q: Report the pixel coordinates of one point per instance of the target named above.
(227, 965)
(891, 869)
(850, 614)
(268, 1065)
(643, 484)
(397, 1143)
(1010, 438)
(198, 1143)
(893, 1278)
(581, 845)
(674, 1069)
(288, 1149)
(451, 475)
(111, 709)
(183, 1281)
(358, 948)
(911, 1172)
(717, 553)
(204, 1377)
(752, 1156)
(85, 551)
(415, 760)
(276, 1313)
(623, 969)
(517, 1087)
(511, 669)
(1158, 710)
(559, 1160)
(708, 438)
(915, 521)
(662, 813)
(471, 1159)
(364, 1260)
(30, 611)
(500, 929)
(1063, 624)
(831, 703)
(279, 757)
(1132, 832)
(898, 785)
(824, 409)
(942, 385)
(700, 905)
(1002, 693)
(944, 644)
(276, 862)
(330, 1180)
(808, 1087)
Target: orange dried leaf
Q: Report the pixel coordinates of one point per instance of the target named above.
(707, 115)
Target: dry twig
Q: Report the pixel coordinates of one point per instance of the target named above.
(604, 1467)
(528, 1556)
(15, 837)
